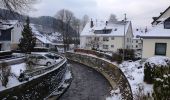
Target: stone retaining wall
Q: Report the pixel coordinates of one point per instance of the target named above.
(111, 72)
(38, 87)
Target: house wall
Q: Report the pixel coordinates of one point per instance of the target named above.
(5, 45)
(117, 42)
(138, 43)
(149, 47)
(16, 33)
(129, 37)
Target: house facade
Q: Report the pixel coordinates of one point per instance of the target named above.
(10, 34)
(157, 41)
(106, 36)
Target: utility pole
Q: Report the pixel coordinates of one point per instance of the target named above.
(124, 37)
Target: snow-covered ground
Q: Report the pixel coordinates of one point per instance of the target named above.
(13, 78)
(134, 71)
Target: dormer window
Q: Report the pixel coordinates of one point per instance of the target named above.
(104, 31)
(167, 23)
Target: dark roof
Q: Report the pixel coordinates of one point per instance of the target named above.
(160, 15)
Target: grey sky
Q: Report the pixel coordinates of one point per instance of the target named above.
(140, 12)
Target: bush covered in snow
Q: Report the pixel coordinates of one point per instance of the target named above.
(155, 67)
(157, 72)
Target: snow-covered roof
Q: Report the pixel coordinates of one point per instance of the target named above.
(158, 31)
(7, 24)
(55, 37)
(138, 32)
(117, 29)
(39, 36)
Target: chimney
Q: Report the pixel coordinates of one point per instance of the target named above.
(154, 18)
(146, 30)
(91, 23)
(106, 23)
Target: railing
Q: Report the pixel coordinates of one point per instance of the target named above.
(111, 72)
(46, 69)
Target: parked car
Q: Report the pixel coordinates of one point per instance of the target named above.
(46, 59)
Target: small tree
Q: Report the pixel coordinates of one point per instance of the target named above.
(27, 42)
(4, 73)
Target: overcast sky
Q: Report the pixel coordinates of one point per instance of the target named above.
(140, 12)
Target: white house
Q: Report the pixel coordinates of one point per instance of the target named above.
(10, 34)
(53, 40)
(41, 40)
(106, 36)
(157, 41)
(163, 15)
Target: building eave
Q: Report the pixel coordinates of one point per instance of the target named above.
(160, 15)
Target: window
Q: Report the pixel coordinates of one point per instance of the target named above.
(112, 46)
(136, 46)
(112, 38)
(136, 41)
(167, 23)
(105, 47)
(160, 49)
(127, 39)
(105, 38)
(96, 38)
(104, 31)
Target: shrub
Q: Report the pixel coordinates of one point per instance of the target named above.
(116, 57)
(129, 54)
(157, 71)
(155, 67)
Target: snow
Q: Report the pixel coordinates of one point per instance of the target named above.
(134, 71)
(138, 32)
(55, 37)
(15, 72)
(67, 75)
(13, 81)
(158, 60)
(158, 31)
(87, 31)
(39, 36)
(7, 24)
(115, 95)
(18, 68)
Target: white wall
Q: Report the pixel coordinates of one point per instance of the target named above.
(139, 44)
(16, 33)
(149, 47)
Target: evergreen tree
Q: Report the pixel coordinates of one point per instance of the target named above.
(27, 42)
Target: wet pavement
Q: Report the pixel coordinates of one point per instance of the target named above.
(87, 84)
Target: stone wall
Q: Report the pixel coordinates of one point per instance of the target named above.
(38, 87)
(111, 72)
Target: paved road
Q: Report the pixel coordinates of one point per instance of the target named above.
(87, 84)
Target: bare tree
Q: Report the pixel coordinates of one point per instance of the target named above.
(94, 43)
(66, 17)
(17, 5)
(85, 19)
(76, 25)
(112, 18)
